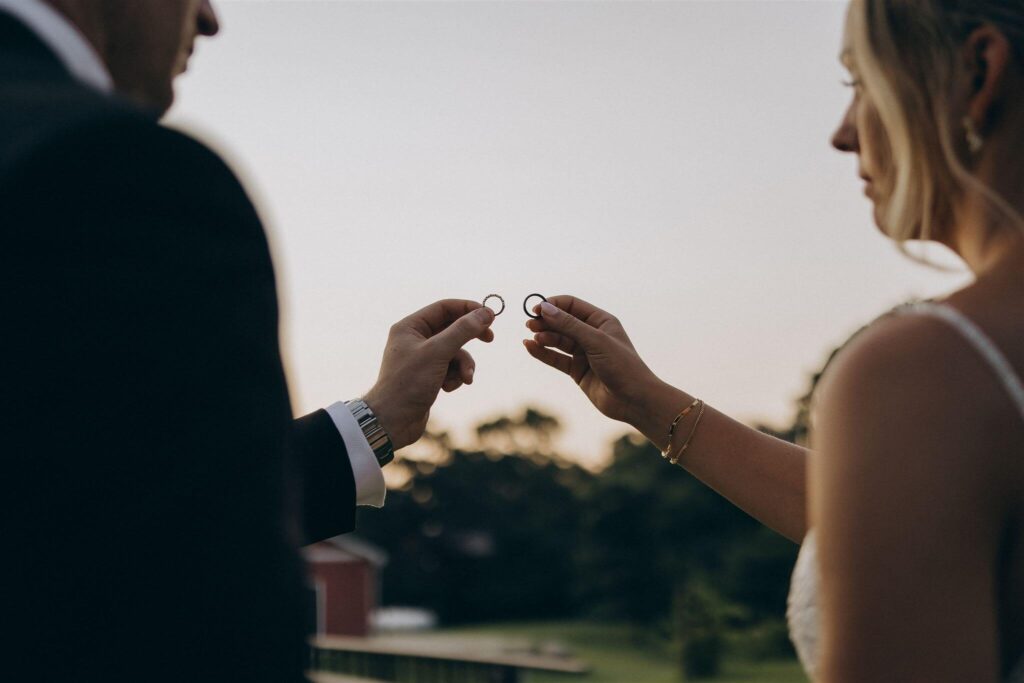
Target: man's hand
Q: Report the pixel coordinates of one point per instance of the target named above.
(424, 354)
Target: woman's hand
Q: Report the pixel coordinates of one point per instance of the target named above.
(591, 346)
(760, 474)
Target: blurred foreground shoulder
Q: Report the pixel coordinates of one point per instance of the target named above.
(909, 376)
(114, 158)
(908, 492)
(910, 409)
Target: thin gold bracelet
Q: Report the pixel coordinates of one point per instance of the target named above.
(672, 427)
(675, 459)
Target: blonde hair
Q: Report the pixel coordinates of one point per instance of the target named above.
(907, 55)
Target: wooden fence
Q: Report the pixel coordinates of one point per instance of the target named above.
(404, 663)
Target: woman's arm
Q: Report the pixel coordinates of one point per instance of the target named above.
(760, 474)
(907, 503)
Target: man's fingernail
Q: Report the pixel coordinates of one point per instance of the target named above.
(549, 309)
(484, 314)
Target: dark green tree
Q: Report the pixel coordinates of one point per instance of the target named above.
(659, 547)
(485, 534)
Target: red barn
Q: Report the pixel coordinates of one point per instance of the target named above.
(343, 575)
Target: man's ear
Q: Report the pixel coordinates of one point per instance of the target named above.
(988, 56)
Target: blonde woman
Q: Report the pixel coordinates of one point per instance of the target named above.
(911, 503)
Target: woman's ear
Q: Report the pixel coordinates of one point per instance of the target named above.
(988, 56)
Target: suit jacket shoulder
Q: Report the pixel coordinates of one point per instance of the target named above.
(145, 410)
(92, 147)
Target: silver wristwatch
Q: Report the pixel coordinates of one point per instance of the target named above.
(379, 440)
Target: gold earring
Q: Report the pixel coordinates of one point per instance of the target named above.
(974, 140)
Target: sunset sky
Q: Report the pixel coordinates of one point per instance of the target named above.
(668, 161)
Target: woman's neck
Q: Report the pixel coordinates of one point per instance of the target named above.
(987, 251)
(990, 237)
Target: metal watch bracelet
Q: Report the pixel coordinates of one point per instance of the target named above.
(380, 442)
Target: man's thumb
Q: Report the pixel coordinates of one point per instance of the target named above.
(464, 330)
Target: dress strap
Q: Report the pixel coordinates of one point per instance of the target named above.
(978, 339)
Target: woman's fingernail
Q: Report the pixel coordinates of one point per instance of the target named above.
(549, 309)
(484, 314)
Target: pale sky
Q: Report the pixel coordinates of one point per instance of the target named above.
(667, 161)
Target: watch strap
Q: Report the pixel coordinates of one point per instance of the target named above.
(380, 442)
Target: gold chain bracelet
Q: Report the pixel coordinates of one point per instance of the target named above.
(675, 458)
(672, 427)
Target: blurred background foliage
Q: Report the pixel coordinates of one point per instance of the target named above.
(508, 530)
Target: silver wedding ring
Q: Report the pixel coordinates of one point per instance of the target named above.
(499, 298)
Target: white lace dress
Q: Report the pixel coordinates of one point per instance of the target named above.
(802, 612)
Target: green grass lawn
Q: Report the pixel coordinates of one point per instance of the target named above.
(616, 655)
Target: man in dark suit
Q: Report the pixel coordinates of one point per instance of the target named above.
(155, 487)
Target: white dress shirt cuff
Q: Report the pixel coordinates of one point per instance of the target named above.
(370, 489)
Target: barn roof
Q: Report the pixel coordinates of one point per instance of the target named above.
(345, 548)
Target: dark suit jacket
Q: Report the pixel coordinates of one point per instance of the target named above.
(155, 488)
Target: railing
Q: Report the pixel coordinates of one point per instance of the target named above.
(370, 658)
(321, 677)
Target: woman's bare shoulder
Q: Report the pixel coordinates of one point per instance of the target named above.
(922, 356)
(912, 387)
(906, 506)
(909, 353)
